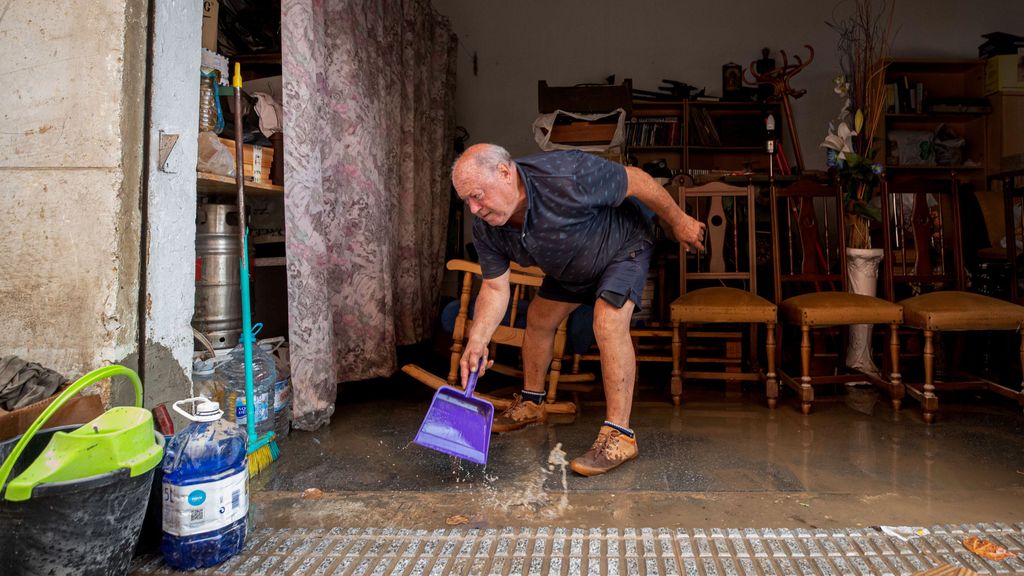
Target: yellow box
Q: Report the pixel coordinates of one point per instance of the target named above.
(1004, 73)
(258, 171)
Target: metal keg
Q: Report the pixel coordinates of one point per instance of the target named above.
(218, 310)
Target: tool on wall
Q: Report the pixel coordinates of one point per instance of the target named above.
(779, 78)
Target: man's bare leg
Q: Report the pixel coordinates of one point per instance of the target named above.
(618, 359)
(542, 320)
(616, 443)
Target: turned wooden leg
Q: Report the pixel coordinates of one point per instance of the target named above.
(772, 380)
(677, 351)
(1020, 395)
(806, 391)
(930, 402)
(896, 388)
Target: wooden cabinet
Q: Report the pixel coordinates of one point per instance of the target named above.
(1005, 132)
(936, 120)
(700, 137)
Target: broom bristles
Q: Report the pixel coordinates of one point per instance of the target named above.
(262, 458)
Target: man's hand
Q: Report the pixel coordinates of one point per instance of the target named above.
(689, 232)
(471, 358)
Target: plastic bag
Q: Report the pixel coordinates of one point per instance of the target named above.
(214, 156)
(543, 127)
(949, 148)
(911, 148)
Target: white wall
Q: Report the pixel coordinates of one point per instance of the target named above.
(567, 42)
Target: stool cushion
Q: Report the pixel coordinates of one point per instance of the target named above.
(721, 304)
(955, 310)
(838, 309)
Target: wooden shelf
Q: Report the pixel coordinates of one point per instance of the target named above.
(903, 168)
(215, 184)
(267, 262)
(708, 135)
(268, 58)
(935, 117)
(727, 149)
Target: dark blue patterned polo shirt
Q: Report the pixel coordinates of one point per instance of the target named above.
(576, 221)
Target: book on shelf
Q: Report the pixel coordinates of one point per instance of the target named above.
(653, 131)
(703, 131)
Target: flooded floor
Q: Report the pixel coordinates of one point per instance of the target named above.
(721, 459)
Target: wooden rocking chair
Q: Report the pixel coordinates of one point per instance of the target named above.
(523, 281)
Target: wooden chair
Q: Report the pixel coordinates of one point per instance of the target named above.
(811, 285)
(510, 332)
(925, 262)
(719, 286)
(651, 332)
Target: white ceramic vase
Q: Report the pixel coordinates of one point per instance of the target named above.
(862, 272)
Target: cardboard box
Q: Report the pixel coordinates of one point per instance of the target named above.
(210, 10)
(256, 160)
(1004, 73)
(77, 410)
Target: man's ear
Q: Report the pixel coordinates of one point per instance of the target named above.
(505, 170)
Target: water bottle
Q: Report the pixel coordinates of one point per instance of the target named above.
(211, 119)
(264, 376)
(206, 382)
(205, 490)
(282, 390)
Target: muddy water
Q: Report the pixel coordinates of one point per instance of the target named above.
(716, 461)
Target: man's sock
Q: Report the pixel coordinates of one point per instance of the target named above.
(535, 397)
(622, 429)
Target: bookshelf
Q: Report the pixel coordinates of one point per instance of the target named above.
(696, 136)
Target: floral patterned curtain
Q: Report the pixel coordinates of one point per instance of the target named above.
(369, 117)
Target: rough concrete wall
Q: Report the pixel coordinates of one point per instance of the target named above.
(70, 161)
(171, 202)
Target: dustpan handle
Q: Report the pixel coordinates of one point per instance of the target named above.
(471, 385)
(84, 382)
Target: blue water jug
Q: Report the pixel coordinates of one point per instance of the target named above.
(205, 489)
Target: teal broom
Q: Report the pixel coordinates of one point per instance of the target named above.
(263, 450)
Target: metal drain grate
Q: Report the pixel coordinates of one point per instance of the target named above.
(607, 552)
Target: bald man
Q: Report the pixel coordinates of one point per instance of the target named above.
(575, 216)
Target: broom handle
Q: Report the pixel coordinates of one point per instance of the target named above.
(243, 267)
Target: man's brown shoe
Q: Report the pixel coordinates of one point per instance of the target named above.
(611, 449)
(520, 414)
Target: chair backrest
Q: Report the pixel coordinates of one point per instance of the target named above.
(922, 236)
(808, 239)
(522, 281)
(730, 254)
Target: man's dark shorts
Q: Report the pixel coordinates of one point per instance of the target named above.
(622, 280)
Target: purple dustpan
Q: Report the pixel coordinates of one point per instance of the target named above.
(458, 424)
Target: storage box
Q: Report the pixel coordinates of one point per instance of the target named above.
(78, 410)
(210, 10)
(1004, 73)
(582, 133)
(256, 160)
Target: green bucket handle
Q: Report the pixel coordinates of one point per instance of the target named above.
(80, 384)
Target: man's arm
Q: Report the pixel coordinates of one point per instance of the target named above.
(686, 230)
(491, 303)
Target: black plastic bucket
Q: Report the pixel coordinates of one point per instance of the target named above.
(86, 527)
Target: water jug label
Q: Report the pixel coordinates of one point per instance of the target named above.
(282, 393)
(262, 402)
(199, 508)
